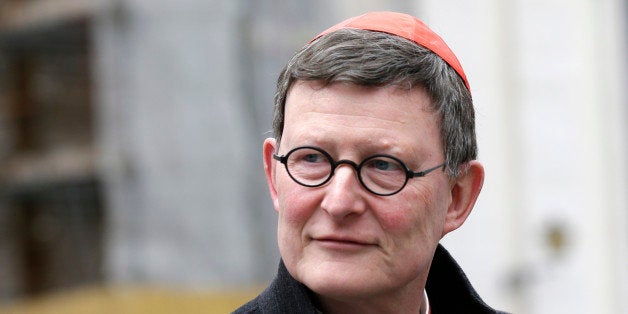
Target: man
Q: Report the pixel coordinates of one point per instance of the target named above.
(371, 164)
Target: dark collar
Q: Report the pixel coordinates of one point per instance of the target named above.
(448, 288)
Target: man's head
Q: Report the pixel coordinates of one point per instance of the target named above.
(362, 208)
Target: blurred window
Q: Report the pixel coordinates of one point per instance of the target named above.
(51, 213)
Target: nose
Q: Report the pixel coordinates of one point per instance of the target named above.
(343, 195)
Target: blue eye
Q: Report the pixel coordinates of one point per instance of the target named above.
(384, 165)
(313, 158)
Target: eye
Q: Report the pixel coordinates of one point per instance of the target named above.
(314, 157)
(384, 165)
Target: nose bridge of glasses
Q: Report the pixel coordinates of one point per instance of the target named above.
(346, 162)
(355, 174)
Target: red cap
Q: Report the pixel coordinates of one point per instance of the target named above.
(406, 26)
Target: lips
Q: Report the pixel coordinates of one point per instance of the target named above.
(341, 243)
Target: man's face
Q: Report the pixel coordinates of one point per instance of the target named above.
(339, 239)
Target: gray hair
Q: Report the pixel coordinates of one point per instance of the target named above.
(369, 58)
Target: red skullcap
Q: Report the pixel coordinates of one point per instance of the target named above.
(406, 26)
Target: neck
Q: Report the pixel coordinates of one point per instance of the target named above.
(417, 304)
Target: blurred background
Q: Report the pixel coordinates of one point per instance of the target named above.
(130, 149)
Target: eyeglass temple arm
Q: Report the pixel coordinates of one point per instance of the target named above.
(281, 159)
(424, 172)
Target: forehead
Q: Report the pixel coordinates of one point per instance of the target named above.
(350, 113)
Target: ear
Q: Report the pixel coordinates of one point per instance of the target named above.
(270, 168)
(464, 193)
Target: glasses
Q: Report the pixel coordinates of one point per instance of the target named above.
(380, 174)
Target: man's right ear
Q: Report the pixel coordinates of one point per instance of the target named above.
(270, 168)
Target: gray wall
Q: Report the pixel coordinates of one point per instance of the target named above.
(185, 94)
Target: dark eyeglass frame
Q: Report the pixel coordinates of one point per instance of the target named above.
(358, 167)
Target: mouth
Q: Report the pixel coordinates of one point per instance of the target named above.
(342, 244)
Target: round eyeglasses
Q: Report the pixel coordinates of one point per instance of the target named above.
(382, 175)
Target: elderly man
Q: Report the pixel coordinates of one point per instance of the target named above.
(372, 162)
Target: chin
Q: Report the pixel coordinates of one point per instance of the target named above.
(339, 280)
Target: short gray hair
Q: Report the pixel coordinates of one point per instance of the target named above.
(370, 58)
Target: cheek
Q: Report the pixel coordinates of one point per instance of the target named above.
(296, 205)
(415, 216)
(397, 218)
